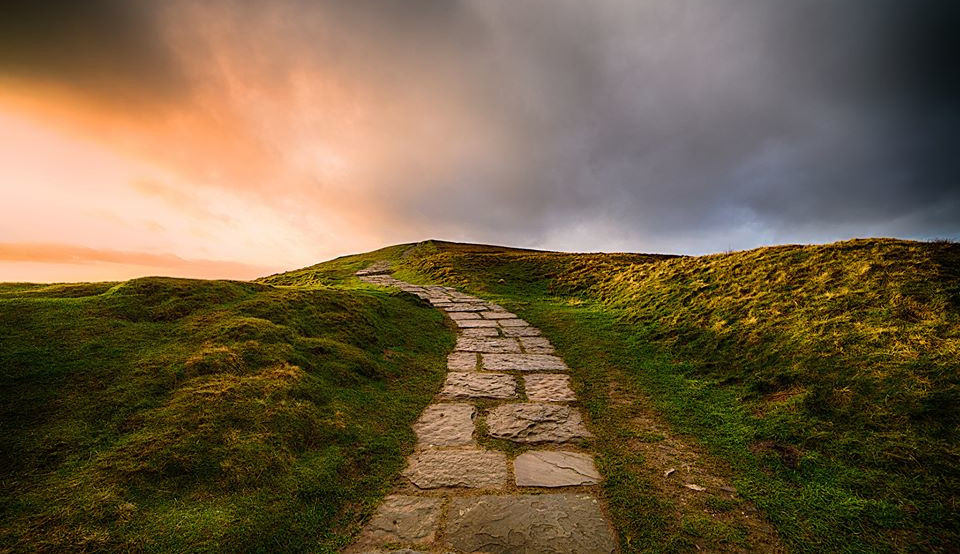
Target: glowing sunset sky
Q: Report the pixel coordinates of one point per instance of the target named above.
(235, 139)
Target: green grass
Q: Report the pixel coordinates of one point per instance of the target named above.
(825, 376)
(179, 415)
(168, 414)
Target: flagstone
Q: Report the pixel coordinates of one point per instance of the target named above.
(490, 345)
(536, 423)
(473, 323)
(521, 332)
(479, 385)
(522, 362)
(542, 523)
(548, 387)
(547, 468)
(462, 361)
(406, 519)
(446, 424)
(471, 468)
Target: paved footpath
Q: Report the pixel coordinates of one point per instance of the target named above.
(505, 382)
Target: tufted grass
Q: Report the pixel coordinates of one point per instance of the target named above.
(179, 415)
(825, 376)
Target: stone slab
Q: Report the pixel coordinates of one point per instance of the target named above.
(462, 361)
(446, 425)
(472, 468)
(523, 362)
(534, 422)
(464, 315)
(536, 345)
(463, 385)
(474, 323)
(512, 323)
(491, 345)
(480, 332)
(543, 523)
(465, 307)
(547, 468)
(521, 332)
(548, 387)
(403, 519)
(495, 314)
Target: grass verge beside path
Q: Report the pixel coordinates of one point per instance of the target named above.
(824, 377)
(179, 415)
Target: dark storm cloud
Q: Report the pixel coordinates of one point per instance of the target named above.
(668, 125)
(103, 49)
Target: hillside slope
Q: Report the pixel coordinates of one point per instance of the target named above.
(827, 376)
(180, 415)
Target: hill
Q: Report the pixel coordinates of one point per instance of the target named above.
(181, 415)
(826, 377)
(822, 381)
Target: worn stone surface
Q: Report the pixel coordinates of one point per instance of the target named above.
(464, 315)
(482, 469)
(462, 361)
(473, 323)
(547, 468)
(523, 362)
(536, 345)
(465, 307)
(406, 519)
(536, 423)
(512, 323)
(462, 385)
(543, 523)
(480, 332)
(491, 345)
(548, 387)
(498, 314)
(446, 424)
(521, 332)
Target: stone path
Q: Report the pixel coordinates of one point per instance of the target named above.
(459, 492)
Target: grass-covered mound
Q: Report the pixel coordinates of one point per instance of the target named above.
(827, 376)
(179, 415)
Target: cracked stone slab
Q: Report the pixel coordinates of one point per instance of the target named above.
(480, 332)
(512, 323)
(403, 519)
(446, 425)
(472, 468)
(462, 361)
(542, 523)
(521, 332)
(536, 423)
(523, 362)
(464, 315)
(536, 345)
(491, 345)
(474, 323)
(479, 385)
(548, 387)
(547, 468)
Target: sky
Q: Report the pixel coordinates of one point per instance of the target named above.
(235, 139)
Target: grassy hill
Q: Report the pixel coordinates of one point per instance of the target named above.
(827, 377)
(179, 415)
(170, 414)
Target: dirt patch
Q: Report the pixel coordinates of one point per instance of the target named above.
(706, 504)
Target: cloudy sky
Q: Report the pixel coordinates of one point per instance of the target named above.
(238, 138)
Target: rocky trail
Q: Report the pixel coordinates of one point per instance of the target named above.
(501, 462)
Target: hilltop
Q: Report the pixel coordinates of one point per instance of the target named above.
(821, 380)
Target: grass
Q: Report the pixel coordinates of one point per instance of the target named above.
(178, 415)
(168, 414)
(825, 377)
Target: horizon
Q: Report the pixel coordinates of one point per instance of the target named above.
(235, 141)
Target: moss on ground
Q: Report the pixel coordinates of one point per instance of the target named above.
(179, 415)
